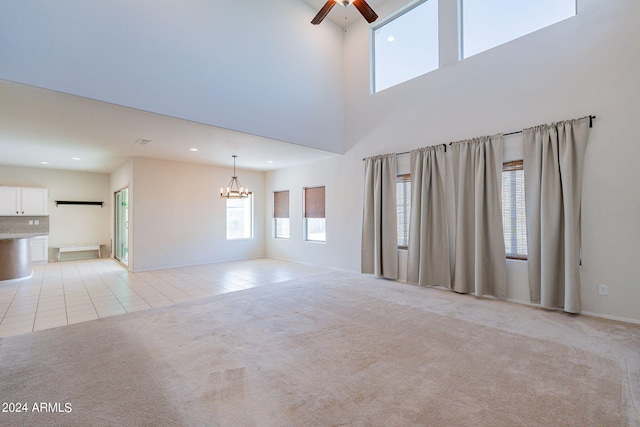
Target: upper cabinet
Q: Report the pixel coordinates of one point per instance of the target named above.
(23, 201)
(10, 201)
(34, 201)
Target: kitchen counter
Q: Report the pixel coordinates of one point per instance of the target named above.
(21, 235)
(16, 233)
(15, 255)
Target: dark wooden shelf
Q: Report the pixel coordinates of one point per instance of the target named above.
(67, 202)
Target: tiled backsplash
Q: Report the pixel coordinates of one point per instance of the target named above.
(20, 224)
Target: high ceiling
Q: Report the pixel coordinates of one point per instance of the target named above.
(38, 125)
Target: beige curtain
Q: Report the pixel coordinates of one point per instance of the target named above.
(553, 164)
(479, 264)
(379, 217)
(428, 255)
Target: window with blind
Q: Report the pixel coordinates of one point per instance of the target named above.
(403, 204)
(513, 210)
(281, 228)
(314, 214)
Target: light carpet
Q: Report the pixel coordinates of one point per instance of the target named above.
(335, 349)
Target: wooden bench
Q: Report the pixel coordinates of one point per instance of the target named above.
(79, 248)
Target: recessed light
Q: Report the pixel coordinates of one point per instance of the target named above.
(44, 163)
(75, 158)
(193, 149)
(269, 161)
(391, 39)
(143, 142)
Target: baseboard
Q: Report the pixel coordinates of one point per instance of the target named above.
(193, 265)
(312, 265)
(586, 313)
(616, 318)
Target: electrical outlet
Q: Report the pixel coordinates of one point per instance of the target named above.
(160, 254)
(36, 221)
(603, 289)
(30, 222)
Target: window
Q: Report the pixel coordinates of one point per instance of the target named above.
(314, 219)
(403, 198)
(513, 210)
(490, 23)
(240, 218)
(281, 214)
(407, 46)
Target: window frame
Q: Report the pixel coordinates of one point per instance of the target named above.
(280, 213)
(250, 215)
(513, 166)
(315, 215)
(372, 48)
(463, 31)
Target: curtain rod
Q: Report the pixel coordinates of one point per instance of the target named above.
(591, 117)
(519, 131)
(407, 152)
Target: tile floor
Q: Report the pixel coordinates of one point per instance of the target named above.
(62, 293)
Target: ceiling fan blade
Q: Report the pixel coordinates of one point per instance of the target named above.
(365, 10)
(323, 12)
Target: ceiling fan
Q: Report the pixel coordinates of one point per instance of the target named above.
(361, 5)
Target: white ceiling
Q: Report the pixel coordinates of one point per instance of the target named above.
(39, 125)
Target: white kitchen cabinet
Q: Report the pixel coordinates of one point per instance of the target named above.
(34, 201)
(23, 201)
(10, 200)
(40, 250)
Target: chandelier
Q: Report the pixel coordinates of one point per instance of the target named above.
(234, 190)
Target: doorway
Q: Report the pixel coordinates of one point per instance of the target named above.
(122, 225)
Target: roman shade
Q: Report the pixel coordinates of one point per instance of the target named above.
(314, 202)
(281, 204)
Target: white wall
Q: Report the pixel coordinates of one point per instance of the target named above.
(585, 65)
(253, 66)
(68, 224)
(180, 219)
(343, 196)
